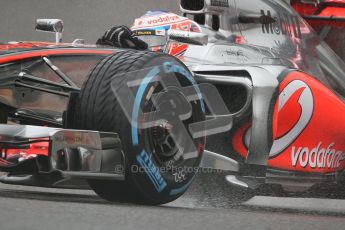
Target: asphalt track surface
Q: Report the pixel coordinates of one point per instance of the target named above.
(205, 206)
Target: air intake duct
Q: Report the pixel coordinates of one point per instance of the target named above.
(204, 6)
(193, 5)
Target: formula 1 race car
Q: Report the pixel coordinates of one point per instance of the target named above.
(252, 91)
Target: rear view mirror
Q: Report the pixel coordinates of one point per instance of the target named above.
(52, 26)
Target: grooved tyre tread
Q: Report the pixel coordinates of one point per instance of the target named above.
(101, 101)
(98, 109)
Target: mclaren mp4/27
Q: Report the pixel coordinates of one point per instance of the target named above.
(78, 115)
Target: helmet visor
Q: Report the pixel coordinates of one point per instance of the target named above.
(153, 40)
(152, 37)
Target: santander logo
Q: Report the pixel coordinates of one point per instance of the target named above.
(306, 102)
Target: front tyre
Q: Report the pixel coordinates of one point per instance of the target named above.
(124, 91)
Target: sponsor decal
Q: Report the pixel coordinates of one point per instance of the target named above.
(140, 22)
(220, 3)
(306, 102)
(302, 121)
(177, 49)
(287, 25)
(72, 138)
(144, 32)
(317, 157)
(152, 171)
(160, 32)
(234, 55)
(162, 19)
(158, 20)
(150, 32)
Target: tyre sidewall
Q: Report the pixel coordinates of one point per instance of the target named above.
(155, 182)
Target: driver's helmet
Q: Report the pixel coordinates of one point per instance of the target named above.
(152, 28)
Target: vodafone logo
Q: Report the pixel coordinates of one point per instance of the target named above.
(295, 110)
(317, 157)
(158, 20)
(167, 19)
(306, 101)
